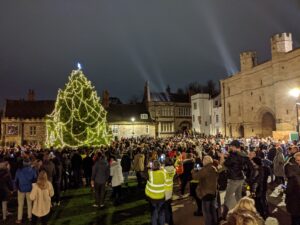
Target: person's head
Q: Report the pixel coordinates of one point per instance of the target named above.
(168, 161)
(297, 158)
(245, 203)
(245, 219)
(42, 180)
(235, 145)
(293, 149)
(207, 160)
(251, 154)
(155, 165)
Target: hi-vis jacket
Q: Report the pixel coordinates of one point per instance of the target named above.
(155, 188)
(170, 173)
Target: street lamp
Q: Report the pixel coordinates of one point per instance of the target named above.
(295, 92)
(132, 120)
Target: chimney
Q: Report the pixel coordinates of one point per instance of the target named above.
(31, 95)
(146, 92)
(105, 99)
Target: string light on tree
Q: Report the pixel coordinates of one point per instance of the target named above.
(78, 120)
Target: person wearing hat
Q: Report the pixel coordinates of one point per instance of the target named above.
(235, 164)
(25, 177)
(155, 192)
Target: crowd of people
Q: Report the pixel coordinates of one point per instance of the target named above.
(245, 169)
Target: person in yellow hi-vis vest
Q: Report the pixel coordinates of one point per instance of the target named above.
(155, 192)
(170, 173)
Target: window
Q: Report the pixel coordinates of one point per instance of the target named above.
(229, 110)
(33, 131)
(195, 105)
(210, 120)
(228, 91)
(216, 103)
(193, 118)
(144, 116)
(12, 129)
(205, 123)
(217, 118)
(287, 112)
(260, 98)
(147, 129)
(199, 120)
(115, 129)
(166, 127)
(261, 82)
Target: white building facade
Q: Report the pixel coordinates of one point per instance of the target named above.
(206, 114)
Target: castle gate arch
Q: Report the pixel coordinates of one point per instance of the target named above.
(268, 124)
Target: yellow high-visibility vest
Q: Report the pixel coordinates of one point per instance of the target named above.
(155, 188)
(169, 179)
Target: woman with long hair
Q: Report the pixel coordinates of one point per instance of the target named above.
(41, 194)
(246, 206)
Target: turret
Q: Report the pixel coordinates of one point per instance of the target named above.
(281, 43)
(248, 60)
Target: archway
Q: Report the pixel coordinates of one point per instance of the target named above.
(241, 131)
(268, 124)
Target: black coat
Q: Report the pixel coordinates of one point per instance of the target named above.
(87, 164)
(126, 163)
(259, 182)
(292, 173)
(238, 166)
(188, 166)
(5, 184)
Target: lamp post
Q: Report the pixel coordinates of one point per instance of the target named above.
(296, 93)
(132, 120)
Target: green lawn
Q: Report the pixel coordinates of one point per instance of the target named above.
(76, 208)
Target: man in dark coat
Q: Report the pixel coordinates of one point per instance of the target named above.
(76, 162)
(126, 164)
(292, 173)
(188, 166)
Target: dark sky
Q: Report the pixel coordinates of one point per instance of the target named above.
(123, 43)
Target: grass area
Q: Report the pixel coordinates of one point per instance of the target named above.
(76, 208)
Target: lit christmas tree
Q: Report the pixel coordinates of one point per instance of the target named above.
(78, 120)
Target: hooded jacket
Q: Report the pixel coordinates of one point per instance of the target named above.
(138, 162)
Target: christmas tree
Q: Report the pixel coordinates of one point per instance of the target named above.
(78, 120)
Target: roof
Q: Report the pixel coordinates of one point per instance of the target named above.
(169, 97)
(28, 109)
(125, 112)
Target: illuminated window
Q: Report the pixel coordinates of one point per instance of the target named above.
(115, 129)
(144, 116)
(33, 131)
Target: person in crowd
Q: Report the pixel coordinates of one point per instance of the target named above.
(179, 166)
(188, 166)
(41, 194)
(49, 166)
(193, 186)
(207, 190)
(235, 164)
(100, 175)
(155, 192)
(57, 179)
(87, 165)
(271, 153)
(76, 163)
(25, 177)
(169, 173)
(6, 186)
(278, 164)
(139, 166)
(259, 187)
(246, 206)
(117, 179)
(292, 173)
(126, 165)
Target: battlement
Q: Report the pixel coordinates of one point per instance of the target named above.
(248, 60)
(248, 54)
(282, 37)
(281, 43)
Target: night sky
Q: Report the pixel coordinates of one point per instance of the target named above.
(123, 43)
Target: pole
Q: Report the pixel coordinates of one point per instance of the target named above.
(297, 114)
